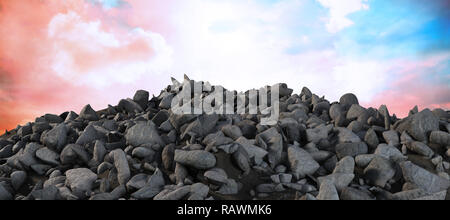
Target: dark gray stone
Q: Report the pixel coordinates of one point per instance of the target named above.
(48, 156)
(141, 97)
(425, 180)
(197, 158)
(121, 164)
(143, 133)
(129, 106)
(18, 178)
(89, 114)
(349, 193)
(379, 171)
(153, 187)
(351, 149)
(56, 138)
(80, 181)
(301, 162)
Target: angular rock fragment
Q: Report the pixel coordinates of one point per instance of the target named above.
(351, 149)
(423, 179)
(379, 171)
(89, 114)
(197, 158)
(301, 162)
(80, 181)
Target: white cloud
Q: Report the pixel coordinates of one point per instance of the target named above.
(339, 9)
(253, 53)
(83, 53)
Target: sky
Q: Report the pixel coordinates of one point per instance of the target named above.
(59, 55)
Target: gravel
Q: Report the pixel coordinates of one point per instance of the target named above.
(140, 149)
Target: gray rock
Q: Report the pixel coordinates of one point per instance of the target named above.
(142, 152)
(232, 131)
(89, 114)
(167, 157)
(137, 182)
(391, 138)
(6, 151)
(90, 134)
(40, 169)
(349, 99)
(285, 178)
(345, 165)
(48, 156)
(55, 181)
(180, 173)
(153, 187)
(389, 152)
(371, 138)
(199, 191)
(254, 152)
(241, 158)
(176, 194)
(56, 138)
(141, 97)
(202, 126)
(66, 194)
(349, 193)
(385, 113)
(409, 194)
(196, 158)
(425, 180)
(340, 180)
(5, 194)
(435, 196)
(420, 148)
(27, 157)
(355, 112)
(129, 106)
(317, 134)
(25, 130)
(80, 181)
(18, 178)
(118, 192)
(347, 136)
(121, 164)
(364, 159)
(216, 176)
(72, 153)
(99, 152)
(102, 197)
(47, 193)
(379, 171)
(39, 127)
(143, 133)
(327, 191)
(351, 149)
(229, 188)
(301, 162)
(419, 125)
(440, 137)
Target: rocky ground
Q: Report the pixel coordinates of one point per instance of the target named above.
(140, 150)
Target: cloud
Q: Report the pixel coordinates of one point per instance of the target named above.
(339, 10)
(85, 54)
(424, 83)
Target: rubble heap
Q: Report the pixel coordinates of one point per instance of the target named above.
(139, 149)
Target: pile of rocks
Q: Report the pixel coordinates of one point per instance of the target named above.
(141, 150)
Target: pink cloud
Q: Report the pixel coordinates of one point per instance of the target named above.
(45, 63)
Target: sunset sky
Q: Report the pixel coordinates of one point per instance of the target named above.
(58, 55)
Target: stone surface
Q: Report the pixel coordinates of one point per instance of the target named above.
(301, 162)
(80, 181)
(197, 158)
(425, 180)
